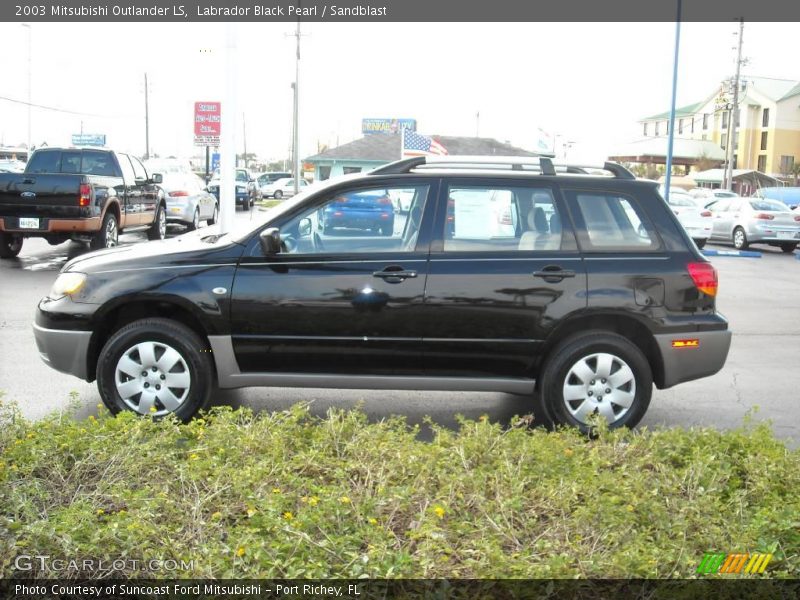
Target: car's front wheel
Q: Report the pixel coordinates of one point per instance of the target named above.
(155, 367)
(595, 373)
(700, 243)
(278, 195)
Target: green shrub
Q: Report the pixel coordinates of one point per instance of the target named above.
(287, 495)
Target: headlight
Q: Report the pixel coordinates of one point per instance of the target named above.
(67, 284)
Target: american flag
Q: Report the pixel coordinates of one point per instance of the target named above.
(415, 144)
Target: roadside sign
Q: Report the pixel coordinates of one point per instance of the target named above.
(207, 123)
(215, 161)
(88, 139)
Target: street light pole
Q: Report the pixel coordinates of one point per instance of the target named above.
(295, 136)
(146, 121)
(28, 27)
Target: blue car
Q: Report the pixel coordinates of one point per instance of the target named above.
(366, 211)
(790, 196)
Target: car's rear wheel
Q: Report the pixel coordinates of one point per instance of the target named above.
(10, 245)
(595, 373)
(278, 195)
(788, 248)
(108, 236)
(215, 216)
(740, 239)
(155, 367)
(195, 220)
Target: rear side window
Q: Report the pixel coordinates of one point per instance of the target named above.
(613, 222)
(488, 218)
(771, 205)
(98, 163)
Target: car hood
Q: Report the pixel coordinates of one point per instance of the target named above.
(189, 248)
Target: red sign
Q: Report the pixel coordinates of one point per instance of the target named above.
(207, 122)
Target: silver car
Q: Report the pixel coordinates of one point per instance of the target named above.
(745, 221)
(188, 200)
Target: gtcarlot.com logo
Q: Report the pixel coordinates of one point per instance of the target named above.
(45, 563)
(746, 563)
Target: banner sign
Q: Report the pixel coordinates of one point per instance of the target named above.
(387, 125)
(207, 123)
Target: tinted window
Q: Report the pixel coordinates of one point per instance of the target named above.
(613, 222)
(45, 161)
(127, 169)
(97, 163)
(71, 161)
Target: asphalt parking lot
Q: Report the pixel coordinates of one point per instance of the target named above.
(759, 297)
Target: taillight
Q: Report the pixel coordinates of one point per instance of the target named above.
(85, 195)
(705, 213)
(179, 193)
(764, 216)
(704, 276)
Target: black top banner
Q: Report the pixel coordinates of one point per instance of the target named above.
(397, 10)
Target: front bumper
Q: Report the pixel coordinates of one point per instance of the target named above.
(63, 350)
(688, 361)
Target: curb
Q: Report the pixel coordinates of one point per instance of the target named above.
(739, 253)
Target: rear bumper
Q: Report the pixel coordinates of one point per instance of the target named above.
(47, 225)
(63, 350)
(693, 362)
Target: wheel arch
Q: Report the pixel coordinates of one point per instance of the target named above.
(122, 313)
(625, 325)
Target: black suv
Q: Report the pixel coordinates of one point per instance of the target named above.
(576, 287)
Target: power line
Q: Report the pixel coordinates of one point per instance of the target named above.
(64, 110)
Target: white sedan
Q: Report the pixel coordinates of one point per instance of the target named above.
(282, 188)
(696, 219)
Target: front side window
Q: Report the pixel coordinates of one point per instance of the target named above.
(612, 222)
(361, 221)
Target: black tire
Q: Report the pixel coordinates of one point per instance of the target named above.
(550, 404)
(191, 348)
(10, 245)
(740, 239)
(278, 194)
(700, 243)
(387, 230)
(195, 220)
(108, 236)
(788, 248)
(215, 215)
(158, 230)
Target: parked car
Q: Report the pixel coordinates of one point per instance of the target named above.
(189, 201)
(582, 318)
(83, 194)
(790, 196)
(247, 192)
(11, 166)
(745, 221)
(694, 218)
(282, 188)
(371, 210)
(265, 179)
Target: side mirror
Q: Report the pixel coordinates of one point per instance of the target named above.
(270, 240)
(304, 227)
(157, 178)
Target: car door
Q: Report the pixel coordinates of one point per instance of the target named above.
(504, 269)
(146, 192)
(720, 219)
(339, 302)
(129, 195)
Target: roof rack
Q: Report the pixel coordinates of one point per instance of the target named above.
(538, 164)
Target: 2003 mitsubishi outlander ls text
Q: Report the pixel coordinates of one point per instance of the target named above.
(574, 286)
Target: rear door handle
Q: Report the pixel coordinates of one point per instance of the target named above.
(395, 274)
(553, 273)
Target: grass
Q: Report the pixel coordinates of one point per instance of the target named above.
(288, 495)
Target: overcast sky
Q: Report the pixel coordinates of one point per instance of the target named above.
(587, 82)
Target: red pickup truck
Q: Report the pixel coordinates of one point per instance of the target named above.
(82, 194)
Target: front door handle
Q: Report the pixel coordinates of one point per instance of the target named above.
(553, 273)
(395, 274)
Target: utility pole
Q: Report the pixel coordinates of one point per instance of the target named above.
(478, 124)
(146, 121)
(733, 134)
(671, 136)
